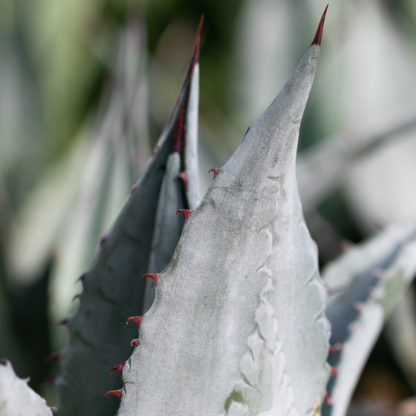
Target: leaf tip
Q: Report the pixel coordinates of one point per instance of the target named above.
(198, 39)
(318, 35)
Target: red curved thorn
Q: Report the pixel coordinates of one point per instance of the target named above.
(117, 393)
(61, 322)
(338, 347)
(184, 177)
(118, 367)
(52, 357)
(77, 296)
(318, 36)
(327, 399)
(216, 171)
(333, 371)
(186, 213)
(153, 276)
(137, 319)
(134, 342)
(133, 188)
(359, 306)
(331, 350)
(53, 409)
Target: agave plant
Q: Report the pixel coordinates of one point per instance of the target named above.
(234, 318)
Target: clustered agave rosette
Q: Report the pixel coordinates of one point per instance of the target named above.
(232, 311)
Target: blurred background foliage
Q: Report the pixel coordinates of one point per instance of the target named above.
(86, 87)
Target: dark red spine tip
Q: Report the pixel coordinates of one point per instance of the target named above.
(116, 393)
(184, 177)
(327, 399)
(153, 276)
(134, 342)
(318, 36)
(118, 367)
(136, 319)
(198, 40)
(186, 213)
(333, 371)
(216, 171)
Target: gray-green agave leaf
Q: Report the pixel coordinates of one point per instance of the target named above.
(114, 288)
(365, 285)
(238, 326)
(17, 398)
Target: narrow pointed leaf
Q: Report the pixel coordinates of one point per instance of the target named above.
(17, 398)
(366, 283)
(113, 287)
(238, 325)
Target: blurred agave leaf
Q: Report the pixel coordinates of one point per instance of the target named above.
(365, 285)
(21, 118)
(117, 157)
(386, 63)
(401, 332)
(61, 37)
(35, 226)
(323, 167)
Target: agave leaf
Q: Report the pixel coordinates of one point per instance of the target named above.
(325, 166)
(17, 398)
(401, 333)
(365, 283)
(238, 325)
(113, 288)
(116, 154)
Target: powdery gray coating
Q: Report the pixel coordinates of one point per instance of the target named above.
(237, 326)
(17, 398)
(113, 287)
(375, 311)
